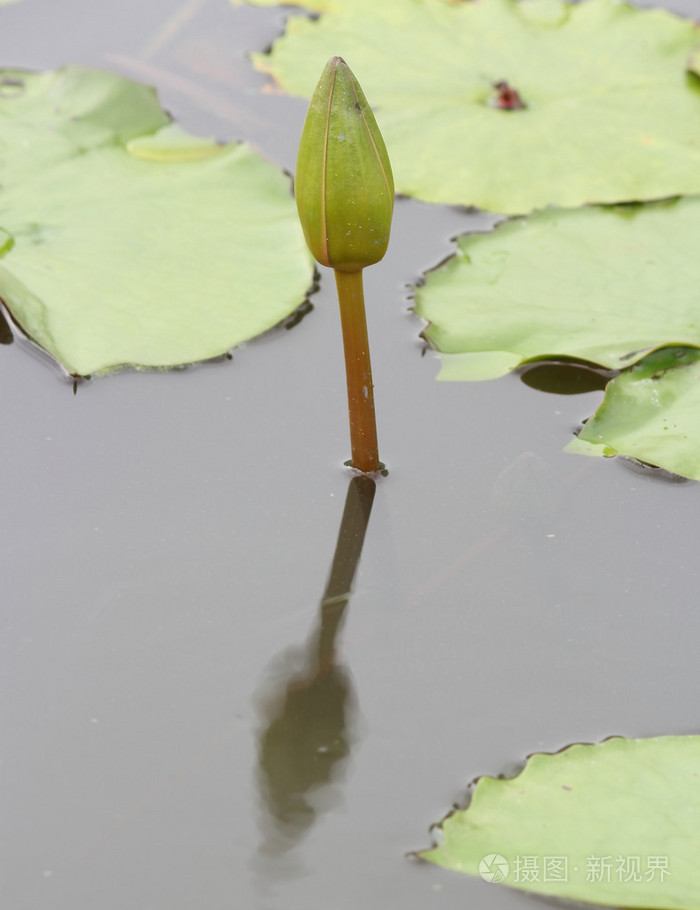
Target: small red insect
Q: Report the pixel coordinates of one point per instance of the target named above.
(508, 98)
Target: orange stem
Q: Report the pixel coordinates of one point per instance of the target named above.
(363, 425)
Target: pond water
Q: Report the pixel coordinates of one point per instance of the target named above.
(183, 724)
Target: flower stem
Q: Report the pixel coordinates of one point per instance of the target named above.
(363, 426)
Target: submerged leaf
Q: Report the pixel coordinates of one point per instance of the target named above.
(131, 241)
(601, 284)
(607, 110)
(307, 4)
(614, 823)
(652, 413)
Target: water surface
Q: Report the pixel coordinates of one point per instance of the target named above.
(167, 541)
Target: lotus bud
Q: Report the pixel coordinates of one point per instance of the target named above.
(344, 185)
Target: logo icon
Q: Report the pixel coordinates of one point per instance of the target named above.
(494, 868)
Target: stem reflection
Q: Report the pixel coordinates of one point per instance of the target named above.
(307, 703)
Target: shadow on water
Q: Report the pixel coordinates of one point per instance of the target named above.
(566, 377)
(6, 336)
(307, 703)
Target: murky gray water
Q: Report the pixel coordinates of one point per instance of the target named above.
(184, 723)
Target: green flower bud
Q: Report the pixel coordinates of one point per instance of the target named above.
(344, 185)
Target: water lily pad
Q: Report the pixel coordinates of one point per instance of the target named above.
(127, 241)
(599, 284)
(614, 823)
(650, 412)
(607, 112)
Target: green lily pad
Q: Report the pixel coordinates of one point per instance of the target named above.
(615, 823)
(651, 413)
(610, 111)
(129, 242)
(599, 284)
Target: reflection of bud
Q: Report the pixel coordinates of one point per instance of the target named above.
(344, 185)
